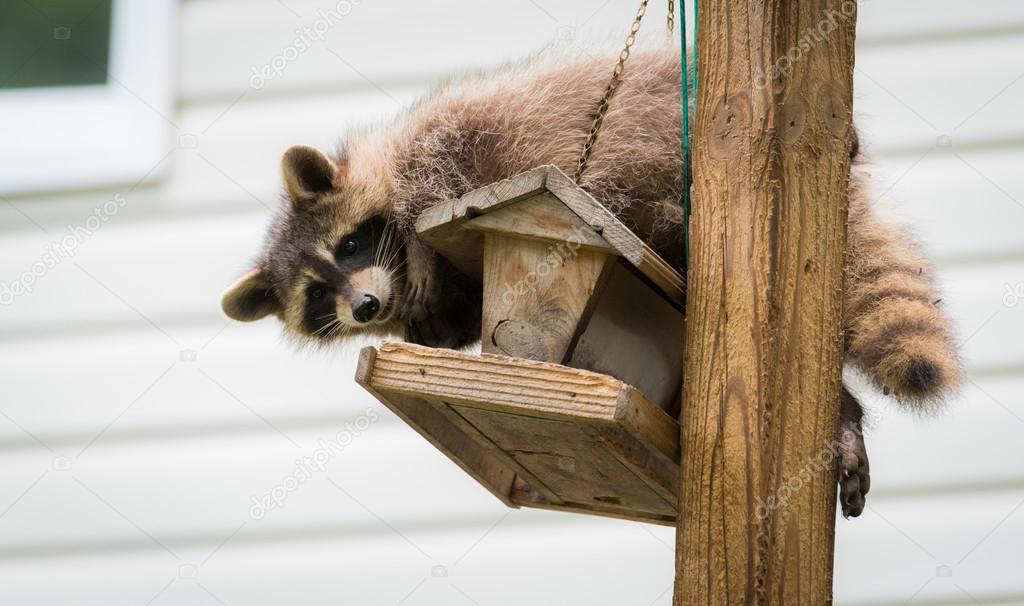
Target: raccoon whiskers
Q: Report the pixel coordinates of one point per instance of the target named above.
(394, 295)
(392, 257)
(390, 248)
(327, 327)
(339, 329)
(385, 242)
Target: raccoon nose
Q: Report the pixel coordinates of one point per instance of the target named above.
(367, 309)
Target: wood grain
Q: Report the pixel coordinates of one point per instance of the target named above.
(465, 451)
(536, 434)
(537, 296)
(763, 342)
(629, 245)
(445, 226)
(542, 217)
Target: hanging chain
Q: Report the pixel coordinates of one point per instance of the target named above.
(613, 85)
(670, 21)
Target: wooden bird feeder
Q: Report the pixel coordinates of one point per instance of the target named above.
(568, 407)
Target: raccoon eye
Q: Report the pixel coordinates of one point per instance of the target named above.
(317, 292)
(350, 247)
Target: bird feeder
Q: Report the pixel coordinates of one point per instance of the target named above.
(571, 404)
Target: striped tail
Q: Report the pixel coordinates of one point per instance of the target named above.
(896, 331)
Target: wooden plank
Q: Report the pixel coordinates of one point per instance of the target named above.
(649, 424)
(439, 431)
(618, 235)
(443, 227)
(497, 382)
(523, 387)
(575, 439)
(654, 468)
(605, 512)
(524, 495)
(542, 217)
(521, 475)
(577, 467)
(536, 297)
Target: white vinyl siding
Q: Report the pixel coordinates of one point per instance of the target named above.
(137, 423)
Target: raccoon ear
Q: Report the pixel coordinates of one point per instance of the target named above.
(251, 298)
(307, 172)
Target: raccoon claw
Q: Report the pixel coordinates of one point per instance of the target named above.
(854, 471)
(421, 299)
(421, 296)
(429, 331)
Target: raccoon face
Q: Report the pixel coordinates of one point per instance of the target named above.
(331, 266)
(351, 286)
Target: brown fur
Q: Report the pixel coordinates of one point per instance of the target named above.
(896, 332)
(477, 130)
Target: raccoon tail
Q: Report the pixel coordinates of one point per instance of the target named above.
(896, 331)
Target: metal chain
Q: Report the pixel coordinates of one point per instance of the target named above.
(609, 91)
(670, 21)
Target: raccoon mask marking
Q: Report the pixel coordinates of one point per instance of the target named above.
(327, 269)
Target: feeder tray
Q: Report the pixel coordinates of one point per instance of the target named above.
(568, 407)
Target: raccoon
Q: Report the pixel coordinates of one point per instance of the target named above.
(341, 257)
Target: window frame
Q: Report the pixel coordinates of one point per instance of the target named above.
(64, 137)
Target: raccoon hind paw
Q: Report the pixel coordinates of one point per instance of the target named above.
(854, 469)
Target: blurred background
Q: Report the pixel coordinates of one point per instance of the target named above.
(152, 453)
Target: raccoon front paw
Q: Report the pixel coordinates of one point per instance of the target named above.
(421, 297)
(431, 331)
(854, 471)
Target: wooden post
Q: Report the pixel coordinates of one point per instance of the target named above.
(763, 344)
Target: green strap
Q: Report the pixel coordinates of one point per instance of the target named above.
(687, 167)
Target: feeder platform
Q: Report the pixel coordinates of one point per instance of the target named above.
(572, 405)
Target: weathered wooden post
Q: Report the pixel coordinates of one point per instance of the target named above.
(763, 345)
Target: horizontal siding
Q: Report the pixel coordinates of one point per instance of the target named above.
(113, 445)
(126, 276)
(381, 44)
(504, 561)
(503, 565)
(166, 485)
(163, 465)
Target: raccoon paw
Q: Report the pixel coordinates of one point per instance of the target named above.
(854, 471)
(422, 294)
(433, 331)
(421, 298)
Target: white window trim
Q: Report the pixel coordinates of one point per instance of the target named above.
(91, 136)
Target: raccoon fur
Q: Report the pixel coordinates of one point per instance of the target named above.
(341, 256)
